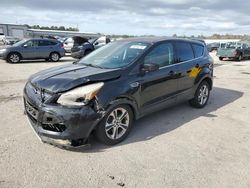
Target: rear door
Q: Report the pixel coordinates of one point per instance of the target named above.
(45, 48)
(189, 62)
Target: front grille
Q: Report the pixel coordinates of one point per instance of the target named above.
(31, 111)
(54, 127)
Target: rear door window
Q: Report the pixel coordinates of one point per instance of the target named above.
(184, 52)
(198, 50)
(46, 43)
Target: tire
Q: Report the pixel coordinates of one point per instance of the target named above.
(201, 95)
(221, 58)
(111, 130)
(14, 58)
(240, 57)
(54, 57)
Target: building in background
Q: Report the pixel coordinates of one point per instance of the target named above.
(22, 31)
(19, 31)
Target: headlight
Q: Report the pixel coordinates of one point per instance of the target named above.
(2, 50)
(80, 96)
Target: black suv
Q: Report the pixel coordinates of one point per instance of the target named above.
(107, 90)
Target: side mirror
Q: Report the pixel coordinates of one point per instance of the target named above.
(25, 46)
(96, 43)
(66, 43)
(150, 67)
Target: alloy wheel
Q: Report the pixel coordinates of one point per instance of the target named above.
(117, 123)
(14, 58)
(54, 57)
(203, 94)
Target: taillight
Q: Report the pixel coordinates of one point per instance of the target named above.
(62, 45)
(235, 52)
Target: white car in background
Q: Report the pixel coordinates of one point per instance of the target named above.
(1, 37)
(101, 41)
(9, 40)
(68, 44)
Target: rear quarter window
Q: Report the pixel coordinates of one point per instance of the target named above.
(184, 51)
(46, 43)
(198, 50)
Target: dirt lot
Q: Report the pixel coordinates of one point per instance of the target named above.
(177, 147)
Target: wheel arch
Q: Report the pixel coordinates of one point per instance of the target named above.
(122, 100)
(126, 101)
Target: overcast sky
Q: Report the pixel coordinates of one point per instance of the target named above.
(134, 17)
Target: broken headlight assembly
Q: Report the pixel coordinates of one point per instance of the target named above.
(80, 96)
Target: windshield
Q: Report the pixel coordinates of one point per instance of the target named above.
(19, 43)
(92, 40)
(115, 55)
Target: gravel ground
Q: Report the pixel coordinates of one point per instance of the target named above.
(177, 147)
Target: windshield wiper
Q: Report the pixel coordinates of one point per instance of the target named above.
(92, 65)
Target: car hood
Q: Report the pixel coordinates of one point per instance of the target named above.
(66, 77)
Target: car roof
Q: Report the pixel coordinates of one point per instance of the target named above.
(153, 40)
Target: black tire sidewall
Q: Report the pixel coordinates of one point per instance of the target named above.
(100, 131)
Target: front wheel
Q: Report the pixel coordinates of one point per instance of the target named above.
(116, 125)
(14, 58)
(201, 95)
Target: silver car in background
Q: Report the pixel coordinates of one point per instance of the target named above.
(33, 49)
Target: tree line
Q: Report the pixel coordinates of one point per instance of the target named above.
(59, 28)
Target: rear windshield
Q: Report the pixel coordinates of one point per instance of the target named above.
(233, 45)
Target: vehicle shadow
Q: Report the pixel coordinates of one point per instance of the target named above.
(170, 119)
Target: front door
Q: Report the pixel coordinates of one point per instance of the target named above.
(30, 49)
(160, 86)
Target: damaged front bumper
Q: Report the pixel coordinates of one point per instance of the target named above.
(69, 127)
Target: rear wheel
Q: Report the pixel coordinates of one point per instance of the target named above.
(14, 58)
(221, 58)
(240, 57)
(201, 95)
(54, 56)
(116, 125)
